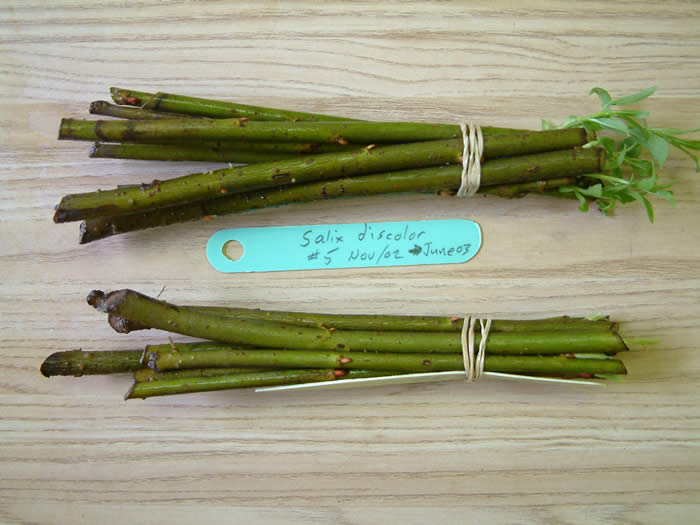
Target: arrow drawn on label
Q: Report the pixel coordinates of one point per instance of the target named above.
(415, 250)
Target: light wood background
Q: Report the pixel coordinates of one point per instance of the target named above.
(71, 451)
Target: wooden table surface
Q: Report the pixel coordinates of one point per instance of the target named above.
(72, 451)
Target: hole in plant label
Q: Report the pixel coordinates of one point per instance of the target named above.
(233, 250)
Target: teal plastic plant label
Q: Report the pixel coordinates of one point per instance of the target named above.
(357, 245)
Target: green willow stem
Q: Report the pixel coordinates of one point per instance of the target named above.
(213, 184)
(498, 172)
(252, 155)
(554, 366)
(98, 228)
(310, 168)
(206, 384)
(168, 359)
(355, 132)
(78, 362)
(218, 109)
(169, 152)
(148, 311)
(208, 359)
(394, 323)
(73, 129)
(101, 107)
(258, 379)
(220, 147)
(211, 108)
(148, 374)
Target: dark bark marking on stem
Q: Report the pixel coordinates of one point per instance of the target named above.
(118, 324)
(97, 106)
(96, 299)
(154, 184)
(152, 361)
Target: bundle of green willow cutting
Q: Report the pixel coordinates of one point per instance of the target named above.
(292, 157)
(255, 348)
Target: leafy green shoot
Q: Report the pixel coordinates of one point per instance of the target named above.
(627, 177)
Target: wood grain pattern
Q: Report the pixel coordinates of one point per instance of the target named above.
(71, 451)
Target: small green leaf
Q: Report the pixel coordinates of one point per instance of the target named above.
(636, 97)
(630, 113)
(604, 96)
(625, 197)
(665, 194)
(647, 205)
(634, 149)
(606, 206)
(646, 184)
(613, 191)
(608, 144)
(611, 124)
(594, 191)
(638, 133)
(616, 172)
(691, 144)
(547, 124)
(571, 122)
(616, 159)
(649, 208)
(590, 126)
(620, 158)
(584, 203)
(658, 147)
(643, 168)
(670, 131)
